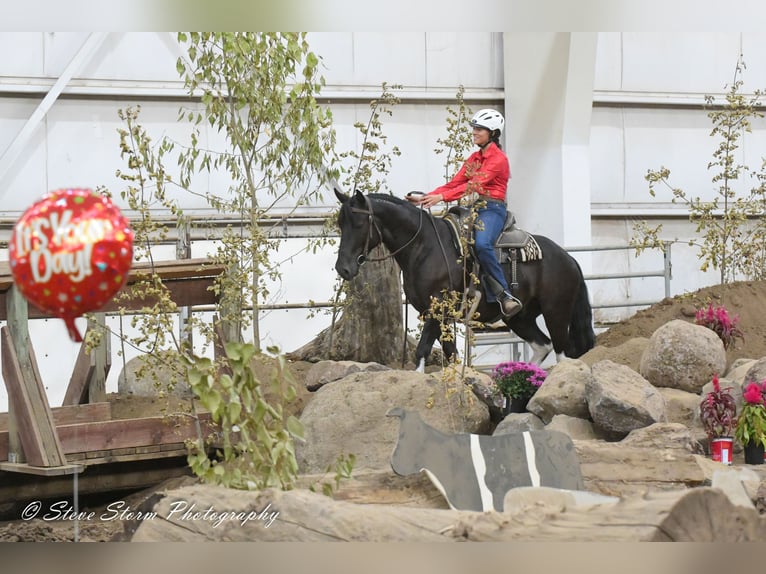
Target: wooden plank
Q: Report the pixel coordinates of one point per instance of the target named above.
(106, 435)
(97, 479)
(126, 458)
(41, 470)
(27, 397)
(187, 281)
(77, 389)
(101, 359)
(73, 414)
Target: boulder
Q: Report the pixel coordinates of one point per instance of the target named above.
(578, 429)
(563, 392)
(661, 436)
(683, 356)
(628, 353)
(681, 406)
(143, 378)
(325, 372)
(349, 416)
(739, 369)
(518, 422)
(620, 400)
(756, 373)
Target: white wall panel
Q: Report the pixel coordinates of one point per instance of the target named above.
(473, 59)
(395, 58)
(27, 178)
(607, 156)
(679, 62)
(608, 74)
(139, 56)
(27, 51)
(60, 48)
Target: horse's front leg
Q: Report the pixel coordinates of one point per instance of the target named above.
(431, 331)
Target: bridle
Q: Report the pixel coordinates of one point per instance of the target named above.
(364, 256)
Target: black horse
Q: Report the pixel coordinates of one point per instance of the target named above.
(423, 247)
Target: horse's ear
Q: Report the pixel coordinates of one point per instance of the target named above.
(342, 197)
(359, 196)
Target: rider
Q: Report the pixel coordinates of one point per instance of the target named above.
(485, 173)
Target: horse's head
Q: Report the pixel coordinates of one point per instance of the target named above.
(358, 235)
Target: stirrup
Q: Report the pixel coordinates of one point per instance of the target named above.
(509, 305)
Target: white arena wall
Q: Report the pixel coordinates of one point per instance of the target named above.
(588, 115)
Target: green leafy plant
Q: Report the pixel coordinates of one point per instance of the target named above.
(751, 424)
(517, 379)
(718, 411)
(731, 226)
(717, 319)
(255, 448)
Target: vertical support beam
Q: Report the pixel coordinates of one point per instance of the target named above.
(101, 358)
(26, 394)
(183, 251)
(81, 59)
(548, 103)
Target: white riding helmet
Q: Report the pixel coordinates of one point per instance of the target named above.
(489, 119)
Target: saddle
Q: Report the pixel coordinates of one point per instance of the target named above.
(513, 243)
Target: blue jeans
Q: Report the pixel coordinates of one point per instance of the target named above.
(493, 218)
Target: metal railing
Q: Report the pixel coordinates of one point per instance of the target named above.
(519, 350)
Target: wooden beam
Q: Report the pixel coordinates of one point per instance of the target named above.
(72, 414)
(107, 435)
(188, 282)
(24, 468)
(79, 382)
(101, 358)
(26, 397)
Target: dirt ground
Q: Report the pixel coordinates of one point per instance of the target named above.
(746, 300)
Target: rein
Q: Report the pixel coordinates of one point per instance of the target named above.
(363, 257)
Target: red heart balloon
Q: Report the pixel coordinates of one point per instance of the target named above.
(70, 253)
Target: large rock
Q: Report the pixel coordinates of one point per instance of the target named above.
(518, 422)
(325, 372)
(620, 400)
(628, 353)
(143, 378)
(661, 436)
(681, 406)
(563, 392)
(683, 356)
(738, 369)
(756, 373)
(577, 429)
(349, 416)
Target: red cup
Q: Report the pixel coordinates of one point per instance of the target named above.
(721, 449)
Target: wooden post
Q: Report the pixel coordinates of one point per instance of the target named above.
(101, 357)
(32, 418)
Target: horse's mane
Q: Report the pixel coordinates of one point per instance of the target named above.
(389, 198)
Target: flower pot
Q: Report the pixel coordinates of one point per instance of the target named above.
(754, 452)
(515, 405)
(721, 449)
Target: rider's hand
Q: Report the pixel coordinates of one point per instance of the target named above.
(430, 200)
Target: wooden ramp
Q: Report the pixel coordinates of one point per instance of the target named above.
(38, 440)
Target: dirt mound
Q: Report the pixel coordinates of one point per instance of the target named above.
(744, 299)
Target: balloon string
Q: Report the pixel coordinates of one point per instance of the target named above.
(74, 334)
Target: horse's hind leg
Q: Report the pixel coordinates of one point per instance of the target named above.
(527, 329)
(431, 331)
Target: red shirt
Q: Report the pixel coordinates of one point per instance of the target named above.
(484, 172)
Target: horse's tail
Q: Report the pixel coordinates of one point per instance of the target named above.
(582, 338)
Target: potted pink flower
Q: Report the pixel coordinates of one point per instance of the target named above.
(516, 382)
(718, 414)
(751, 425)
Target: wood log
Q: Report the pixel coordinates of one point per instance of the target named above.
(209, 513)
